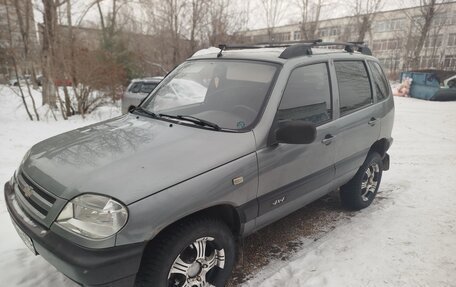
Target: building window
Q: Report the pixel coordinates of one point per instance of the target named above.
(434, 41)
(452, 40)
(450, 62)
(389, 25)
(387, 44)
(445, 18)
(429, 62)
(297, 35)
(329, 31)
(281, 37)
(391, 63)
(260, 38)
(323, 32)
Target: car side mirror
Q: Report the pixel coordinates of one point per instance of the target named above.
(131, 108)
(296, 132)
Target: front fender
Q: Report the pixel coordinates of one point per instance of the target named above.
(152, 214)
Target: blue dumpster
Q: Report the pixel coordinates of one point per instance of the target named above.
(426, 85)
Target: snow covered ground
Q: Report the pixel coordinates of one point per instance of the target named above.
(18, 266)
(407, 238)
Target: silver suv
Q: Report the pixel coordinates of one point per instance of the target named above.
(137, 91)
(228, 143)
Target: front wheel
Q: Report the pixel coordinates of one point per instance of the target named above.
(361, 190)
(198, 252)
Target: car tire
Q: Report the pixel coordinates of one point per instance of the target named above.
(176, 258)
(361, 190)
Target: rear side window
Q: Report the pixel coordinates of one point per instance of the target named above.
(136, 87)
(307, 95)
(380, 81)
(148, 87)
(354, 86)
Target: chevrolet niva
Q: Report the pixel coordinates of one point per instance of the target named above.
(228, 143)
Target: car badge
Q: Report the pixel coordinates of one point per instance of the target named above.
(28, 190)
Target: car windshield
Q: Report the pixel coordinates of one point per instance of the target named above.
(229, 94)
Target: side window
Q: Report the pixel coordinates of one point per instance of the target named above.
(136, 87)
(380, 81)
(307, 95)
(148, 87)
(354, 86)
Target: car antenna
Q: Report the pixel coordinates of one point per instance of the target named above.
(222, 47)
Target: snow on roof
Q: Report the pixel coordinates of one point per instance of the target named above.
(208, 51)
(145, 79)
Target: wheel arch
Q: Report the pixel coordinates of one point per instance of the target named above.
(224, 212)
(381, 146)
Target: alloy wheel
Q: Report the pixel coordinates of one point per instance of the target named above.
(197, 265)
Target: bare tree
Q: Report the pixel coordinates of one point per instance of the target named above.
(49, 50)
(24, 13)
(171, 18)
(199, 9)
(21, 11)
(273, 13)
(422, 25)
(72, 69)
(225, 19)
(310, 15)
(364, 12)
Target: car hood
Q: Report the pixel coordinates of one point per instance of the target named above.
(130, 157)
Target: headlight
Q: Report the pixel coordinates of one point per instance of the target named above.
(16, 172)
(93, 216)
(26, 156)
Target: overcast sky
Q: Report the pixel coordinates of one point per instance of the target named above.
(334, 9)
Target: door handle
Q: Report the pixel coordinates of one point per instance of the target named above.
(372, 122)
(328, 139)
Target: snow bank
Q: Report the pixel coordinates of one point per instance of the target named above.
(17, 134)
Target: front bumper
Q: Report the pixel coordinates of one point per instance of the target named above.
(116, 266)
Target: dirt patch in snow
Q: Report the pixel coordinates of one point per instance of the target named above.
(280, 240)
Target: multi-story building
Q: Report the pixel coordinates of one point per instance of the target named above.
(392, 36)
(11, 40)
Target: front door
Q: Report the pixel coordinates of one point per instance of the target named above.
(291, 175)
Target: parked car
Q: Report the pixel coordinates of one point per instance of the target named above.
(160, 196)
(63, 82)
(23, 80)
(57, 82)
(137, 91)
(432, 85)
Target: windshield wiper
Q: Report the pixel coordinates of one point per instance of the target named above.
(144, 111)
(194, 120)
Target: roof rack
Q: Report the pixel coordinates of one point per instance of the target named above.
(300, 48)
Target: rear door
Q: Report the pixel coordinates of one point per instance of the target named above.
(358, 124)
(289, 173)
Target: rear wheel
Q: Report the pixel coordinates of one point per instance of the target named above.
(195, 253)
(361, 190)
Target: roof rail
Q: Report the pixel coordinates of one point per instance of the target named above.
(300, 48)
(224, 47)
(267, 45)
(306, 49)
